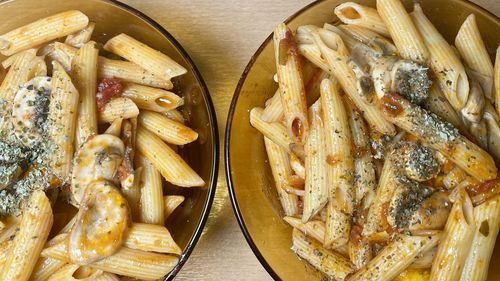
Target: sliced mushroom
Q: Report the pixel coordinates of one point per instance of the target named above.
(420, 162)
(410, 80)
(101, 224)
(98, 159)
(433, 213)
(474, 108)
(30, 110)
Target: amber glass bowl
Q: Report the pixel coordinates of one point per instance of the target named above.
(112, 18)
(249, 176)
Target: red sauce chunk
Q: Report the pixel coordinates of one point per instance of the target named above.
(391, 104)
(484, 187)
(107, 89)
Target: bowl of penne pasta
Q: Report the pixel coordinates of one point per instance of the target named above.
(370, 145)
(108, 144)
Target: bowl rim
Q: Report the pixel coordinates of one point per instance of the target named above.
(213, 124)
(214, 128)
(229, 121)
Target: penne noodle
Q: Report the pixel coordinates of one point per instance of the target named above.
(171, 202)
(332, 264)
(396, 257)
(79, 38)
(487, 219)
(439, 135)
(42, 31)
(45, 267)
(62, 117)
(84, 74)
(365, 181)
(151, 238)
(280, 167)
(337, 58)
(316, 188)
(313, 229)
(130, 72)
(403, 32)
(152, 98)
(446, 65)
(456, 241)
(359, 248)
(168, 130)
(151, 204)
(424, 260)
(297, 166)
(126, 262)
(172, 167)
(115, 128)
(62, 53)
(358, 15)
(34, 229)
(275, 132)
(339, 165)
(471, 47)
(367, 37)
(69, 271)
(118, 108)
(274, 109)
(175, 115)
(497, 81)
(437, 103)
(144, 56)
(291, 84)
(388, 183)
(23, 68)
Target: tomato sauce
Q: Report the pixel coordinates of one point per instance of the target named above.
(107, 89)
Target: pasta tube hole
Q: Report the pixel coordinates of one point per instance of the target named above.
(349, 13)
(164, 102)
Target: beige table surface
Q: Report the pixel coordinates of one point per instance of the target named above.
(221, 36)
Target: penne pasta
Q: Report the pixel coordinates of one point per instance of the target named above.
(316, 188)
(291, 84)
(487, 222)
(46, 267)
(274, 109)
(281, 170)
(153, 99)
(175, 115)
(339, 165)
(151, 238)
(79, 38)
(438, 135)
(151, 204)
(23, 68)
(68, 272)
(126, 262)
(115, 128)
(118, 108)
(42, 31)
(471, 47)
(359, 15)
(130, 72)
(274, 131)
(446, 65)
(171, 202)
(168, 130)
(437, 103)
(84, 74)
(62, 115)
(457, 239)
(332, 264)
(396, 257)
(403, 32)
(172, 167)
(34, 229)
(144, 56)
(337, 57)
(313, 229)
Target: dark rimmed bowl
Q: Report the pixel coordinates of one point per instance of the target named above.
(112, 18)
(249, 177)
